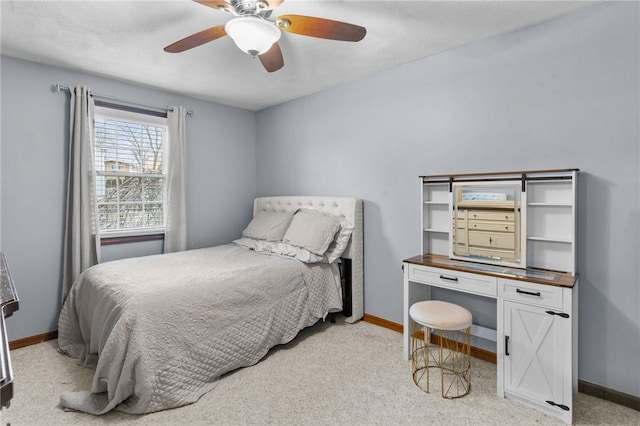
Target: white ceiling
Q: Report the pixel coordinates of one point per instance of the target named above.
(125, 40)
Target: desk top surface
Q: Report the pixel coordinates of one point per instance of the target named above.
(540, 276)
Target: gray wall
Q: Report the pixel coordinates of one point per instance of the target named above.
(564, 94)
(221, 179)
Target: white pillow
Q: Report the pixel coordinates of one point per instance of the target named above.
(281, 249)
(269, 226)
(340, 243)
(312, 230)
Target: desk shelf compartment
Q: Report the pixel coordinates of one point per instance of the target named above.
(551, 224)
(558, 192)
(435, 217)
(553, 255)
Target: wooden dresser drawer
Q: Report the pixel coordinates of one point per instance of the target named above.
(460, 281)
(535, 294)
(491, 215)
(492, 240)
(480, 225)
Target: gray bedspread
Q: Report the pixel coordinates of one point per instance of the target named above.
(160, 330)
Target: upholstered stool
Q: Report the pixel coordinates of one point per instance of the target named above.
(452, 353)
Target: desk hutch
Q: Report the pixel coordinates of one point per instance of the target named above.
(509, 236)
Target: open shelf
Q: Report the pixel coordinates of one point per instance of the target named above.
(550, 205)
(436, 242)
(551, 192)
(550, 239)
(553, 255)
(444, 231)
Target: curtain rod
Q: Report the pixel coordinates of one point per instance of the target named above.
(59, 88)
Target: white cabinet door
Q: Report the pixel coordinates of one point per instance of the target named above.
(535, 354)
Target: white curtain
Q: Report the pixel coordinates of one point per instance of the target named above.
(175, 236)
(82, 230)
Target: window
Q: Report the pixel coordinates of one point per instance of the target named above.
(130, 155)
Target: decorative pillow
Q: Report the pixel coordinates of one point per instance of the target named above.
(312, 230)
(281, 249)
(269, 226)
(340, 243)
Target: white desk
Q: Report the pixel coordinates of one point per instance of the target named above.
(537, 320)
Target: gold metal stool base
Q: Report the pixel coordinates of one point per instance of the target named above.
(451, 355)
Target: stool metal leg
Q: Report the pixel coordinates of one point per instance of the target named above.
(456, 363)
(420, 356)
(451, 355)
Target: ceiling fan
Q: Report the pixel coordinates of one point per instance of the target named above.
(257, 35)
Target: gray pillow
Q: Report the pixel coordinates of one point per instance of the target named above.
(312, 230)
(269, 226)
(340, 243)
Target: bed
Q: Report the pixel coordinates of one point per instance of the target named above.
(160, 330)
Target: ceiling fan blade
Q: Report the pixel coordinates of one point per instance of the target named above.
(216, 4)
(272, 59)
(320, 27)
(196, 39)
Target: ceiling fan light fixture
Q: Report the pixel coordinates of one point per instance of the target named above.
(252, 35)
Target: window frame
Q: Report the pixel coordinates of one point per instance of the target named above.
(137, 116)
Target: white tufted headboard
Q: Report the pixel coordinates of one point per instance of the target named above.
(351, 209)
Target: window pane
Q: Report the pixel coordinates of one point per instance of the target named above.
(130, 188)
(124, 149)
(128, 146)
(107, 189)
(153, 189)
(108, 214)
(131, 216)
(154, 215)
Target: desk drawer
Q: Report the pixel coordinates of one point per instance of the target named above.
(535, 294)
(460, 281)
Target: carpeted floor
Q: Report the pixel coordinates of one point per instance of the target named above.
(333, 374)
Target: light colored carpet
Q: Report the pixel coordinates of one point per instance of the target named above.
(337, 374)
